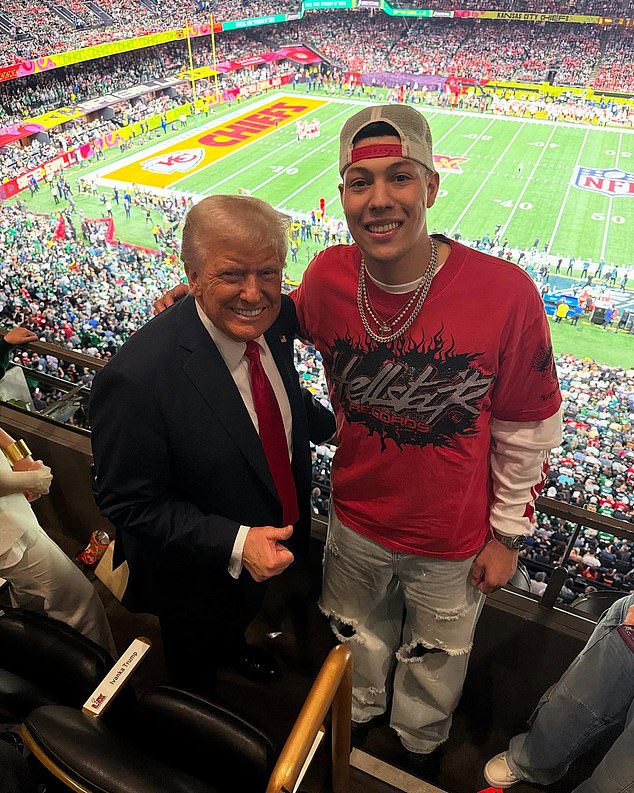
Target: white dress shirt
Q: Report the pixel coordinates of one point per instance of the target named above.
(232, 353)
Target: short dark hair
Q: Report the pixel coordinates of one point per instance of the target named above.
(377, 129)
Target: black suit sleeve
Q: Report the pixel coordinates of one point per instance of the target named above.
(130, 440)
(321, 421)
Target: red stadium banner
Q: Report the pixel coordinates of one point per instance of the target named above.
(245, 62)
(14, 186)
(18, 131)
(9, 72)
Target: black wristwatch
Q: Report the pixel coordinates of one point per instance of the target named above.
(514, 541)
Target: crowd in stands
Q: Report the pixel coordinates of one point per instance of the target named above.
(32, 96)
(16, 159)
(487, 49)
(37, 30)
(60, 276)
(616, 67)
(593, 468)
(483, 50)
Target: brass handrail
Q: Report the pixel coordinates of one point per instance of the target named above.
(332, 687)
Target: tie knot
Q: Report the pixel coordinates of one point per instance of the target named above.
(252, 351)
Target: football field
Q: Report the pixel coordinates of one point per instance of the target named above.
(566, 186)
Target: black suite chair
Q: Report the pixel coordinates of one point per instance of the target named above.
(595, 603)
(45, 662)
(174, 741)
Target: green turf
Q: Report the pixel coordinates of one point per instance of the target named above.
(585, 340)
(536, 201)
(517, 174)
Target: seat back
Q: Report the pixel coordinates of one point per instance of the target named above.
(204, 739)
(595, 603)
(521, 579)
(43, 661)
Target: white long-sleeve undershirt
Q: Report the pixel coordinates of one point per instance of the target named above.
(519, 465)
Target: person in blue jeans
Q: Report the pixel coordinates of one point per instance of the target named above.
(594, 695)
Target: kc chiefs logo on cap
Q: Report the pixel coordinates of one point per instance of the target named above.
(172, 162)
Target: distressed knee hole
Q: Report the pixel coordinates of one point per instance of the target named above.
(345, 630)
(416, 651)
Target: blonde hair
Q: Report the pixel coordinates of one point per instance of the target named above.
(226, 219)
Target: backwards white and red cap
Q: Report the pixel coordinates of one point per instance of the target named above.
(408, 124)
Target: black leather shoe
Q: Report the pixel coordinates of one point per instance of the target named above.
(254, 663)
(417, 763)
(359, 732)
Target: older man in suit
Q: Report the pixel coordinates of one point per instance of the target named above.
(201, 443)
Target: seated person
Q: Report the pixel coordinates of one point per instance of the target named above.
(594, 696)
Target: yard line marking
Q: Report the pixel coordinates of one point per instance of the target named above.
(327, 142)
(525, 188)
(489, 175)
(608, 216)
(568, 189)
(304, 186)
(477, 139)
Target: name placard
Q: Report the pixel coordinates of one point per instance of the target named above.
(106, 691)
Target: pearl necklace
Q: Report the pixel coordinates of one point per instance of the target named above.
(386, 332)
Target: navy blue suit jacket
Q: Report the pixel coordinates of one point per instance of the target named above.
(179, 464)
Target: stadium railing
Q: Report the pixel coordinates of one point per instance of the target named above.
(65, 446)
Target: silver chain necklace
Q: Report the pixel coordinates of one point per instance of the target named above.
(386, 332)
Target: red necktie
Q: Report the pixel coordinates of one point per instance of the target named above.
(272, 434)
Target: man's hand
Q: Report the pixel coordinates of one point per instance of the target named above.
(172, 296)
(493, 567)
(19, 336)
(263, 554)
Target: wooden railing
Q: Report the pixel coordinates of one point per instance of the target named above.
(332, 689)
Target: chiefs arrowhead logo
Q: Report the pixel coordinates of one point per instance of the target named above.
(176, 161)
(444, 162)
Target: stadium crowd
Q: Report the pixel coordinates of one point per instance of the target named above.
(483, 50)
(29, 31)
(60, 276)
(31, 96)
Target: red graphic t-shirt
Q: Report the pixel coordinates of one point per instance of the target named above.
(412, 466)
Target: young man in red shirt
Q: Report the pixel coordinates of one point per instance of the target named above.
(442, 378)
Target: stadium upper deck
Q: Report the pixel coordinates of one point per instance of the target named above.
(31, 30)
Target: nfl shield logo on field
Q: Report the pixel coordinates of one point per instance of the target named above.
(176, 161)
(609, 181)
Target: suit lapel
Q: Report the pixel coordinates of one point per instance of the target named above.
(208, 372)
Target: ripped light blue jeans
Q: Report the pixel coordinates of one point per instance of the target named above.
(595, 695)
(367, 589)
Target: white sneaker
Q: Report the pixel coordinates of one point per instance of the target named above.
(498, 773)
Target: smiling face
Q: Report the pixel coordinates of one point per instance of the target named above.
(238, 288)
(385, 200)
